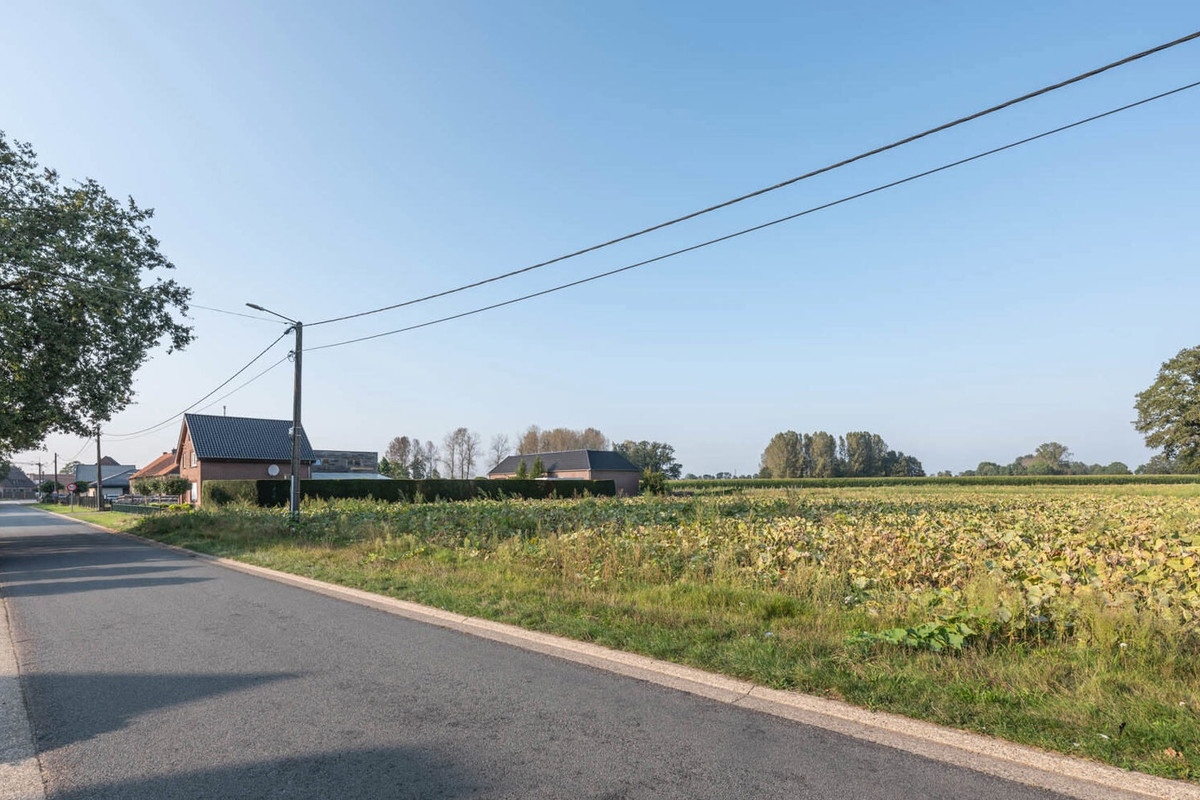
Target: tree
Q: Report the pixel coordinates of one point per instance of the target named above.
(499, 449)
(173, 484)
(399, 456)
(79, 310)
(824, 455)
(522, 470)
(783, 456)
(459, 451)
(530, 441)
(1168, 413)
(538, 469)
(430, 459)
(651, 456)
(1055, 456)
(1158, 465)
(536, 440)
(858, 454)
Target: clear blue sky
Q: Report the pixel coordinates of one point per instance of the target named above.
(321, 160)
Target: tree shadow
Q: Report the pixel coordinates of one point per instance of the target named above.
(71, 586)
(49, 564)
(384, 773)
(73, 707)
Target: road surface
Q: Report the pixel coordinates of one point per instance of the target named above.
(149, 674)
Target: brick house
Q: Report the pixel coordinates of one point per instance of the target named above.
(164, 465)
(590, 465)
(237, 448)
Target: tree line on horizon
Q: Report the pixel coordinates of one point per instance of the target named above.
(462, 450)
(1050, 458)
(857, 454)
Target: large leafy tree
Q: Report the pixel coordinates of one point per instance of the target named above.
(783, 456)
(652, 456)
(79, 311)
(1168, 413)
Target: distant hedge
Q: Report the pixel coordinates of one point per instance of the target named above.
(275, 493)
(965, 480)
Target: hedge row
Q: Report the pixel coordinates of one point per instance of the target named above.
(275, 493)
(964, 480)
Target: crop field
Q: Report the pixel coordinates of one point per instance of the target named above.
(1067, 617)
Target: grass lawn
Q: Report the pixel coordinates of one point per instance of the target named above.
(1080, 605)
(109, 519)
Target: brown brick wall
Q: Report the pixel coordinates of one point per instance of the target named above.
(210, 470)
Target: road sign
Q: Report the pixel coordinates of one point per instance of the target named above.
(71, 487)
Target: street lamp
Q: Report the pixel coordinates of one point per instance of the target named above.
(298, 327)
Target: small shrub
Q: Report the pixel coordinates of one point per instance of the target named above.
(653, 483)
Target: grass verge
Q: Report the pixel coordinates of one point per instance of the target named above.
(108, 519)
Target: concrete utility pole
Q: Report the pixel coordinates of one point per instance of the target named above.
(55, 478)
(297, 430)
(99, 474)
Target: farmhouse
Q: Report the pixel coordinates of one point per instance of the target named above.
(237, 448)
(592, 465)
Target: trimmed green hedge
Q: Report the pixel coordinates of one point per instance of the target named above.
(965, 480)
(275, 493)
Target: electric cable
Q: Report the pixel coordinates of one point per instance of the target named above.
(755, 228)
(223, 384)
(829, 168)
(247, 383)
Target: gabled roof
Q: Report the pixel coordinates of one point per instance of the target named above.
(115, 474)
(568, 461)
(163, 465)
(243, 439)
(17, 479)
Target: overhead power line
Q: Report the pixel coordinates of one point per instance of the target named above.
(241, 386)
(219, 387)
(758, 192)
(764, 225)
(112, 288)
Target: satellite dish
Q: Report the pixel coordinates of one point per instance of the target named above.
(273, 470)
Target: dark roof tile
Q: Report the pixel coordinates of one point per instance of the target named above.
(245, 439)
(568, 461)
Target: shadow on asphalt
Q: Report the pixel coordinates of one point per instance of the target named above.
(49, 564)
(75, 707)
(345, 775)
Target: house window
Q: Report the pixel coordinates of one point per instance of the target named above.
(193, 458)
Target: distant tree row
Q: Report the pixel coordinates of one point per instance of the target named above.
(461, 450)
(408, 458)
(1050, 458)
(858, 454)
(558, 440)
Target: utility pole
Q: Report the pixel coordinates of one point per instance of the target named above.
(99, 474)
(55, 478)
(297, 430)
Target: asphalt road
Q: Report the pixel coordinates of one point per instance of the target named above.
(149, 674)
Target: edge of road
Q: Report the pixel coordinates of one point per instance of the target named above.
(20, 770)
(1067, 775)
